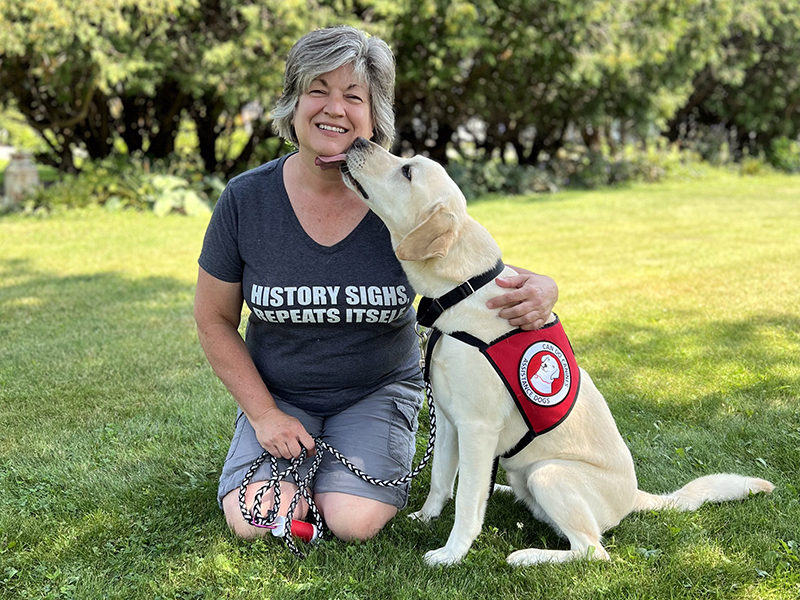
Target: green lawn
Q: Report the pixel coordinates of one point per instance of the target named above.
(681, 299)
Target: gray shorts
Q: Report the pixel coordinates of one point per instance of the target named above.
(377, 434)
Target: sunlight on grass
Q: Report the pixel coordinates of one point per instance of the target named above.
(679, 298)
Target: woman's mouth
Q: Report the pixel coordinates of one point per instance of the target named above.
(333, 128)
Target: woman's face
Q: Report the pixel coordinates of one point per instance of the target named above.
(332, 113)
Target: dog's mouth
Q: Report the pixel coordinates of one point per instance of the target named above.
(354, 156)
(339, 161)
(352, 181)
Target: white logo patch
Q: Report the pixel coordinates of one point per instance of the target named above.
(544, 374)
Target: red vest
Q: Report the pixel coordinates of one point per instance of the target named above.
(540, 372)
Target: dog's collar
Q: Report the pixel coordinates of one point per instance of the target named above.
(431, 309)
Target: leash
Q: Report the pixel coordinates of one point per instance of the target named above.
(282, 526)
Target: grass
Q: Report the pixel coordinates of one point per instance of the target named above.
(680, 299)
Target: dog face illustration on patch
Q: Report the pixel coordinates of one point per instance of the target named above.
(544, 374)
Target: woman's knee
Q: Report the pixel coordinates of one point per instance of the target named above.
(233, 512)
(352, 517)
(236, 523)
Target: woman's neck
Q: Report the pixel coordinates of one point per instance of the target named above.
(326, 209)
(326, 185)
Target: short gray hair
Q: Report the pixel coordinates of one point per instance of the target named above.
(325, 50)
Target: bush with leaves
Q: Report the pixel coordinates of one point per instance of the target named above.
(576, 166)
(478, 178)
(131, 183)
(785, 154)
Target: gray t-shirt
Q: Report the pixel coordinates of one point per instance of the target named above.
(329, 324)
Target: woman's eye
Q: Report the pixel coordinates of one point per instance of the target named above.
(406, 170)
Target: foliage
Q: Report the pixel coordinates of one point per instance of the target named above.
(475, 79)
(125, 182)
(478, 178)
(525, 73)
(784, 154)
(14, 131)
(575, 167)
(752, 87)
(92, 73)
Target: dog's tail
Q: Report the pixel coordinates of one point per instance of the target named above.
(711, 488)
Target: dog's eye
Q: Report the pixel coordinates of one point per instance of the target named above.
(406, 170)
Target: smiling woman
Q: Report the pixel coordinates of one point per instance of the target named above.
(331, 114)
(346, 369)
(326, 50)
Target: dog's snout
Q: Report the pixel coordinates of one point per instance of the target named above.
(360, 143)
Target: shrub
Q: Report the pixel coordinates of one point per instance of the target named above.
(477, 178)
(784, 154)
(131, 182)
(575, 166)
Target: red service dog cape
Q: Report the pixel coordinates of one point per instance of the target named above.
(540, 372)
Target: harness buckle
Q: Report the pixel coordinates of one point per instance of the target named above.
(423, 335)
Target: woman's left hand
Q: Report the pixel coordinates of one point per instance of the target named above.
(529, 303)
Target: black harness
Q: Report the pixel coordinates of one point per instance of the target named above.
(431, 309)
(540, 412)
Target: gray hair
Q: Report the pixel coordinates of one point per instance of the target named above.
(325, 50)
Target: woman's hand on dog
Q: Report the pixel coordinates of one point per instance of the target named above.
(282, 435)
(529, 303)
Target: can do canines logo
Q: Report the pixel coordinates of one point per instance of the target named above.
(544, 374)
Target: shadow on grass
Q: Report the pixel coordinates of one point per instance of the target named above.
(742, 418)
(113, 428)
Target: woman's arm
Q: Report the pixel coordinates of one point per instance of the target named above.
(529, 303)
(217, 311)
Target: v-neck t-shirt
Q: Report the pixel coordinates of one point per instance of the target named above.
(328, 325)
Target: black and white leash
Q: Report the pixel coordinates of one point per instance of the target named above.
(269, 521)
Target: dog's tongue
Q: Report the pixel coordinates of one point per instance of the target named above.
(330, 162)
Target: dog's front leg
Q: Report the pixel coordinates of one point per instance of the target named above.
(475, 457)
(443, 471)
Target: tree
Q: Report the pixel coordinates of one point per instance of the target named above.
(482, 78)
(525, 74)
(753, 90)
(100, 74)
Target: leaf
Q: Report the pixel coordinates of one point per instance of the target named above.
(193, 205)
(114, 203)
(163, 206)
(168, 183)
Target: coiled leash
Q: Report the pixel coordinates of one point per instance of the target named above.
(272, 521)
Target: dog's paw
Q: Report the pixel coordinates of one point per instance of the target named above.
(527, 557)
(421, 516)
(442, 556)
(503, 489)
(536, 556)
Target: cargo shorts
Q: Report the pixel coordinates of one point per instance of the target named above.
(377, 434)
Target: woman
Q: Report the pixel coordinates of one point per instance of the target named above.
(330, 349)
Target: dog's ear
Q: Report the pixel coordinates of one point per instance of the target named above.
(430, 239)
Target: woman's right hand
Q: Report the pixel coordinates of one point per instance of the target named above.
(282, 435)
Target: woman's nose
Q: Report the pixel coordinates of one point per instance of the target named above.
(335, 105)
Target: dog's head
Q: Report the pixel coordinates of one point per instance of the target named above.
(420, 204)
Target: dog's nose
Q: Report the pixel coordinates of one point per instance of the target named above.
(360, 143)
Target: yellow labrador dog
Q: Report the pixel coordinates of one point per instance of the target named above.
(578, 477)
